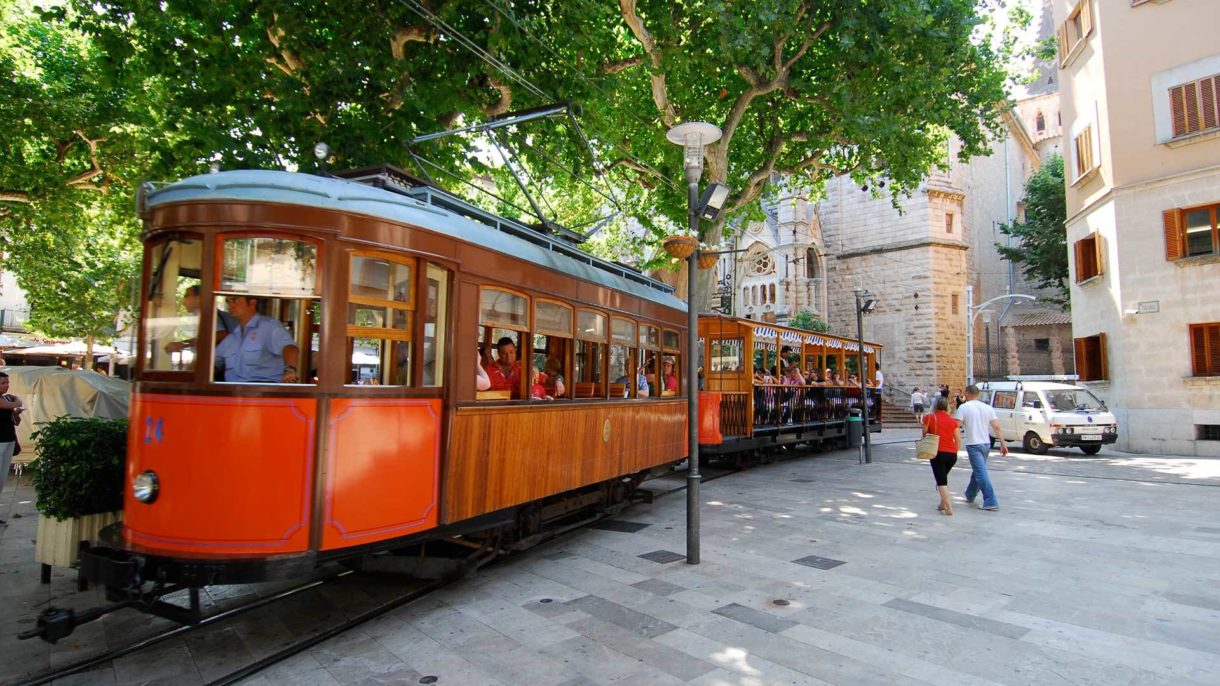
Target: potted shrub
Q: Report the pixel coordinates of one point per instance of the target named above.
(78, 482)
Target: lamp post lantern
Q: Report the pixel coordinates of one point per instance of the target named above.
(694, 137)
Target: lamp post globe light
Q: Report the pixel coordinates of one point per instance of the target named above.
(694, 137)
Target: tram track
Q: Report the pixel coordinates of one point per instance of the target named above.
(323, 634)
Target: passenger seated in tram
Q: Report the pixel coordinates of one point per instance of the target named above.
(261, 350)
(505, 370)
(483, 382)
(537, 389)
(554, 376)
(670, 381)
(641, 384)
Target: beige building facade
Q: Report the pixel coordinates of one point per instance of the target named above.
(1140, 87)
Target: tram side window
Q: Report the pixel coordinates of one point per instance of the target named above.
(503, 327)
(622, 338)
(551, 351)
(268, 311)
(380, 319)
(648, 362)
(171, 319)
(671, 380)
(436, 314)
(590, 364)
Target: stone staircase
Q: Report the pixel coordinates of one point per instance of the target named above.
(895, 417)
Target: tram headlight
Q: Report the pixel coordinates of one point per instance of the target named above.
(145, 486)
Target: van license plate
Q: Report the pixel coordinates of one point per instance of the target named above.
(1088, 437)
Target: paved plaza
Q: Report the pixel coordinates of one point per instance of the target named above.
(816, 570)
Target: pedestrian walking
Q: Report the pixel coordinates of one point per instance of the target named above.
(919, 400)
(975, 417)
(941, 423)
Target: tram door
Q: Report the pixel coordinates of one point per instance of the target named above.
(383, 442)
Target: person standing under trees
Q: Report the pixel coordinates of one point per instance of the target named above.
(941, 423)
(975, 417)
(11, 408)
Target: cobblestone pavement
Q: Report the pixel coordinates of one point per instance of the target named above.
(816, 570)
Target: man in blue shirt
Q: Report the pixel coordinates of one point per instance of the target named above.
(261, 350)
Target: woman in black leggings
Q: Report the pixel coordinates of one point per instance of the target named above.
(941, 423)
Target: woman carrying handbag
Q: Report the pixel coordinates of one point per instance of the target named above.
(942, 424)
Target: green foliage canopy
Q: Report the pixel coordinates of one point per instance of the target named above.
(805, 320)
(131, 89)
(1041, 247)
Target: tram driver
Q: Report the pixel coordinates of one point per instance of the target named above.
(261, 350)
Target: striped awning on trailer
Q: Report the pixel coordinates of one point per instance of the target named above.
(765, 332)
(814, 340)
(790, 336)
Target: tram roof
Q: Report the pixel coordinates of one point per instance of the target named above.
(430, 209)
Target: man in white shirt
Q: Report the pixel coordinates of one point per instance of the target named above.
(975, 417)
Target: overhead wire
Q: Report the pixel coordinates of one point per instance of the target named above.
(516, 75)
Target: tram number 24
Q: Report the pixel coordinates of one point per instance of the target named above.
(152, 429)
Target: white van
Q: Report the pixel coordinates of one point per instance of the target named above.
(1045, 414)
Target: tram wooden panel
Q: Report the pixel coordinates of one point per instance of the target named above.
(382, 469)
(234, 473)
(505, 456)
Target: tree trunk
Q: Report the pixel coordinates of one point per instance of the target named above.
(89, 353)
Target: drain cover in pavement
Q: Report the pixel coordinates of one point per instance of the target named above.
(819, 562)
(663, 556)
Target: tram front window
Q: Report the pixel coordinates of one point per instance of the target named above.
(267, 311)
(171, 317)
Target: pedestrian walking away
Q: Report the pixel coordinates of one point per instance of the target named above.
(941, 423)
(975, 417)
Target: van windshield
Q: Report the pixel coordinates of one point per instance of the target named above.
(1074, 399)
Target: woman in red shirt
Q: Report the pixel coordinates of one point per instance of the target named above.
(941, 423)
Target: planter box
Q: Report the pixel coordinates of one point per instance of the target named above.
(58, 541)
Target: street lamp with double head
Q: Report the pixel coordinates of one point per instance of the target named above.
(694, 137)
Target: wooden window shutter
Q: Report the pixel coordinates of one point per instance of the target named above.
(1082, 359)
(1198, 350)
(1078, 253)
(1097, 254)
(1173, 234)
(1213, 349)
(1063, 43)
(1208, 105)
(1177, 107)
(1190, 94)
(1102, 367)
(1086, 19)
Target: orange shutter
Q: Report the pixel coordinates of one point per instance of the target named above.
(1198, 350)
(1173, 234)
(1177, 107)
(1078, 253)
(1097, 254)
(1213, 350)
(1082, 359)
(1086, 19)
(1103, 371)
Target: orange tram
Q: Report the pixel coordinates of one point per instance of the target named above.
(382, 295)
